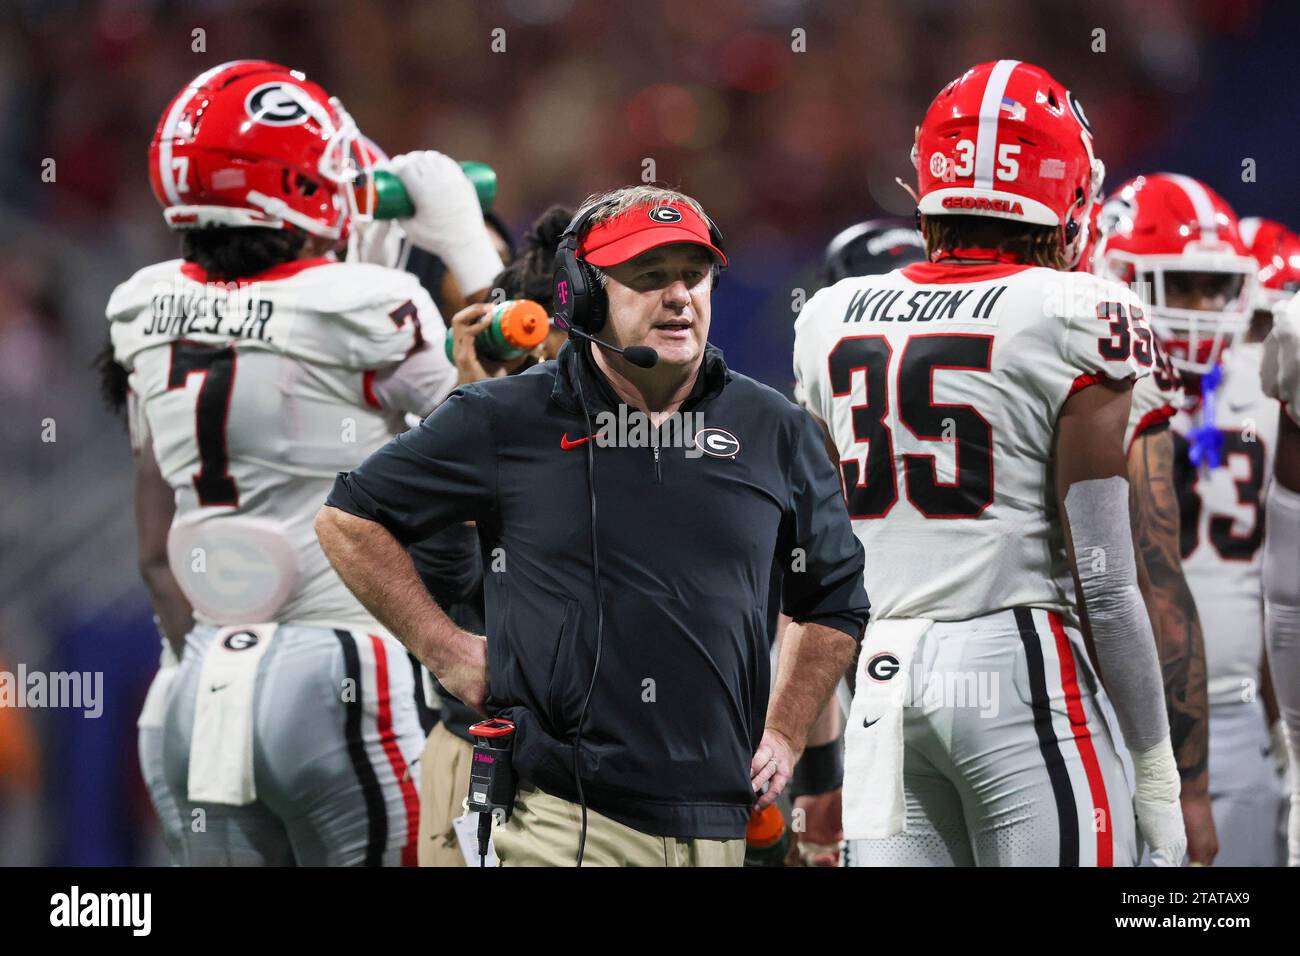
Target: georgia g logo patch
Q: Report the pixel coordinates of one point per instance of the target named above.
(240, 641)
(1077, 109)
(882, 666)
(665, 214)
(717, 442)
(274, 104)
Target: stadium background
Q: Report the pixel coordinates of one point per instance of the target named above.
(784, 148)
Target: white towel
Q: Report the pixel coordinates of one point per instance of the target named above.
(873, 740)
(221, 743)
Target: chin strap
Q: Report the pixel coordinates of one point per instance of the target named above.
(1205, 441)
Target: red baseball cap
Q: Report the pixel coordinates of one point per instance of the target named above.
(631, 233)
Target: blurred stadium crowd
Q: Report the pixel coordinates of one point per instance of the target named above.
(785, 136)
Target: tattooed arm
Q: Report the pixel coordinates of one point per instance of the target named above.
(1153, 505)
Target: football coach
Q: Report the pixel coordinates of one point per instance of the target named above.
(628, 580)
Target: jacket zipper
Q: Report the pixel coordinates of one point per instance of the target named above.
(659, 478)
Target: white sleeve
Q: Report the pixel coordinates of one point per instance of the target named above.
(1106, 332)
(811, 388)
(418, 384)
(1280, 370)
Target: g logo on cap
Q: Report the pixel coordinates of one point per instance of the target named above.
(665, 214)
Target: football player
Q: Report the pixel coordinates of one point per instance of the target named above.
(978, 404)
(1179, 244)
(1280, 374)
(259, 366)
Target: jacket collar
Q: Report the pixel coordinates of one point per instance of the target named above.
(575, 359)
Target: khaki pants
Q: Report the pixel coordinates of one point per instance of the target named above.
(543, 831)
(444, 785)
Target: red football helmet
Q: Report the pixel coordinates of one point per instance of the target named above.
(1163, 231)
(251, 143)
(1006, 140)
(1277, 250)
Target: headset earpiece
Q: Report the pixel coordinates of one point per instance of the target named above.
(579, 299)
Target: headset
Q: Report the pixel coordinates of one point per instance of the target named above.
(581, 305)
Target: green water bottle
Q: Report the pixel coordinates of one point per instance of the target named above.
(392, 202)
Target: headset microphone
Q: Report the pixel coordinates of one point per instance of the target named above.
(642, 356)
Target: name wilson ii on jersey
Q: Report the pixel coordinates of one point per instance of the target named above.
(922, 305)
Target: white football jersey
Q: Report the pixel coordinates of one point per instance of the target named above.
(941, 386)
(1280, 367)
(1222, 516)
(255, 395)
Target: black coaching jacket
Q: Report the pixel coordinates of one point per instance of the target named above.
(687, 544)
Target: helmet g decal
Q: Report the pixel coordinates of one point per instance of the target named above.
(1077, 109)
(275, 104)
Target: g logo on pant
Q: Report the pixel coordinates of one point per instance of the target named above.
(882, 666)
(240, 641)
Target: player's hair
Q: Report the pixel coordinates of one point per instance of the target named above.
(615, 202)
(235, 253)
(1030, 243)
(498, 225)
(531, 275)
(112, 380)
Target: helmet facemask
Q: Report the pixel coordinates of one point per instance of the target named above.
(1195, 338)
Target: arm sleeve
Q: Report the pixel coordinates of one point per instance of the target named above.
(1280, 370)
(424, 479)
(822, 559)
(1117, 616)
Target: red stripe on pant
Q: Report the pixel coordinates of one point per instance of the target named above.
(1083, 740)
(410, 798)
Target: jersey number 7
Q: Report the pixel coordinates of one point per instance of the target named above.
(216, 364)
(873, 495)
